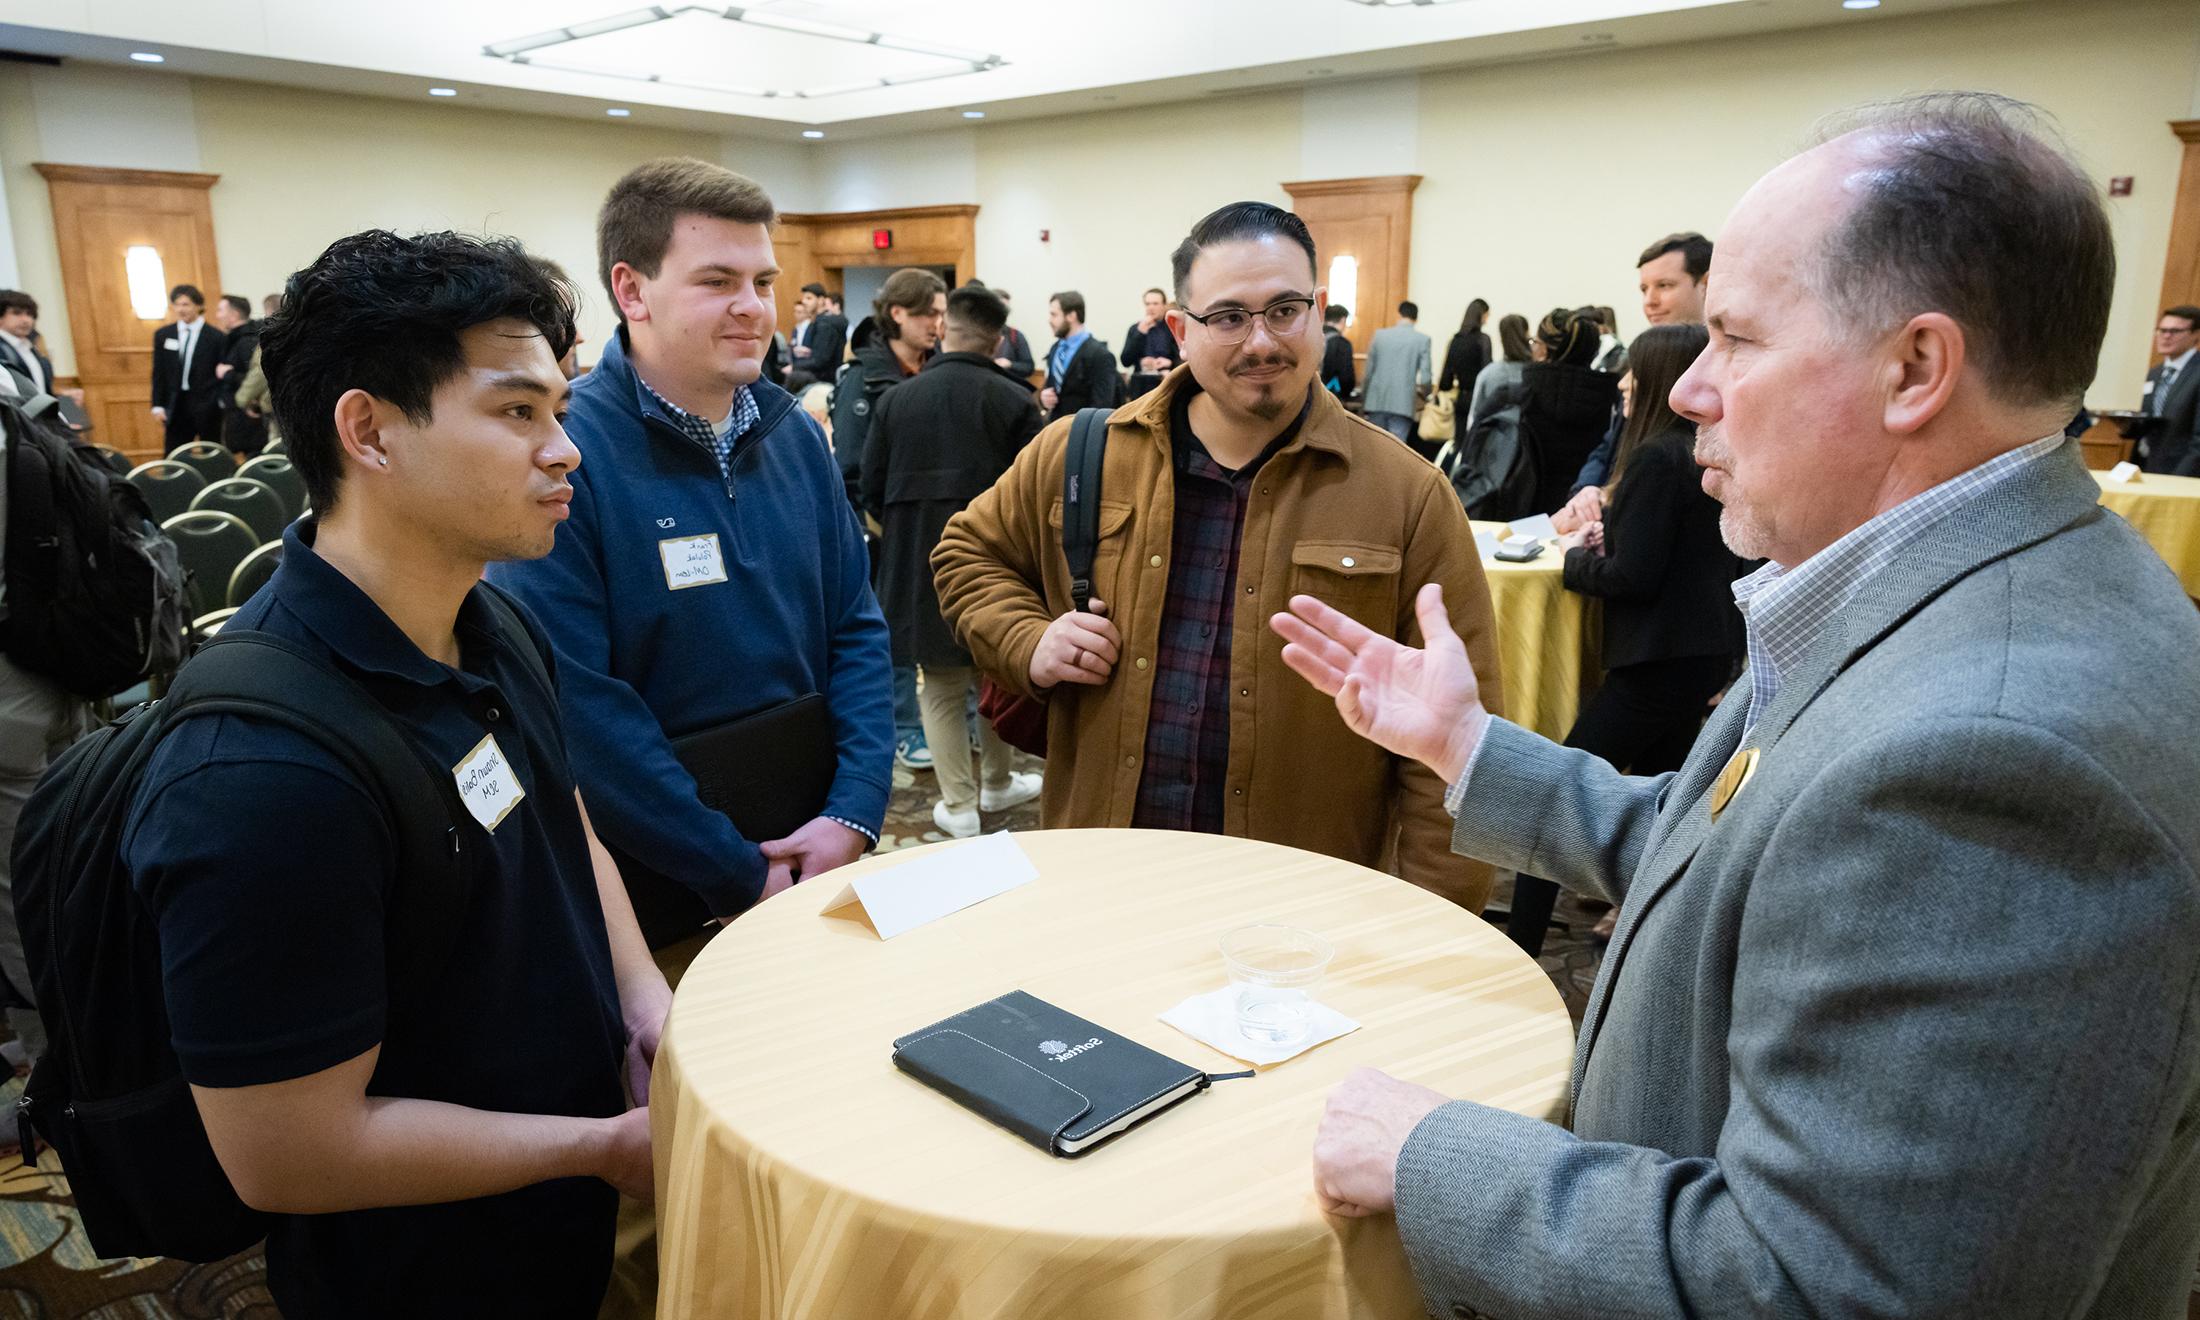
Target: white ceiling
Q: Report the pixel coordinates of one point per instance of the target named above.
(781, 65)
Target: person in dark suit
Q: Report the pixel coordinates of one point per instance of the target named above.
(1672, 635)
(242, 432)
(1080, 370)
(22, 366)
(1149, 350)
(1013, 353)
(2171, 441)
(1339, 375)
(820, 342)
(186, 392)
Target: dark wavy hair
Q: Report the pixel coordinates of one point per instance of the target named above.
(383, 313)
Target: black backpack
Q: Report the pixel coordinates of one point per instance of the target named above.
(109, 1094)
(1495, 471)
(95, 593)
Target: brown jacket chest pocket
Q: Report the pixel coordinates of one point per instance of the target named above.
(1108, 551)
(1358, 578)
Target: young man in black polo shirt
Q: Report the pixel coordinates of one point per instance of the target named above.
(461, 1160)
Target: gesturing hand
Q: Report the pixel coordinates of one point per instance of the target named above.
(1421, 703)
(1079, 647)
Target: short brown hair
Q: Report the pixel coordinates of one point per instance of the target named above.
(1970, 205)
(12, 300)
(635, 225)
(910, 289)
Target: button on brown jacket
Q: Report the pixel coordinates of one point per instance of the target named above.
(1343, 513)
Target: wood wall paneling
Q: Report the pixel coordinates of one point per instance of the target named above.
(98, 214)
(812, 246)
(1370, 219)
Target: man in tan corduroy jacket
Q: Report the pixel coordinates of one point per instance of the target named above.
(1233, 486)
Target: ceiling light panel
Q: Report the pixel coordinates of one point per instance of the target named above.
(742, 51)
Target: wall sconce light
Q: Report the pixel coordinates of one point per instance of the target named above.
(1344, 282)
(148, 283)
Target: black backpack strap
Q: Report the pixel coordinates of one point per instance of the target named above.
(1081, 466)
(272, 678)
(516, 632)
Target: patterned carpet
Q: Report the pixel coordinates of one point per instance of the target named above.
(48, 1272)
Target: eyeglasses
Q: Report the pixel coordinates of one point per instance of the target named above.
(1232, 324)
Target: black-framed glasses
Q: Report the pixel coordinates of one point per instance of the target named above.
(1231, 325)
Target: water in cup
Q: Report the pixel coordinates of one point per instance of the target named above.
(1277, 970)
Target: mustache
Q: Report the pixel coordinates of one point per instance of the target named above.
(1261, 362)
(1711, 448)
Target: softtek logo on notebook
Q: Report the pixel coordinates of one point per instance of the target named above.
(1062, 1053)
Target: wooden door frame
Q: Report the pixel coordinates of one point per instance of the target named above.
(68, 188)
(809, 243)
(1381, 196)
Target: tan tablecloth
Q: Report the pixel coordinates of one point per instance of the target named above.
(799, 1174)
(1545, 638)
(2166, 510)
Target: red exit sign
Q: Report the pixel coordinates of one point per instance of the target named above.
(882, 239)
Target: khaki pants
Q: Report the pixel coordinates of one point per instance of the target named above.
(942, 701)
(632, 1294)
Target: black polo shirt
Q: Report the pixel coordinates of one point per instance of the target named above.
(268, 865)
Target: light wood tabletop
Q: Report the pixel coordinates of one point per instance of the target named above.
(799, 1173)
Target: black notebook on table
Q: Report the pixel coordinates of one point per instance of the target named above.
(768, 772)
(1052, 1078)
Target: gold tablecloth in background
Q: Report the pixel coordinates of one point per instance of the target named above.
(2166, 511)
(1546, 636)
(799, 1174)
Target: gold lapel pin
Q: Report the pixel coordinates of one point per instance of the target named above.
(1732, 778)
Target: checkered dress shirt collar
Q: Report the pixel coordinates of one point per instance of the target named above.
(718, 439)
(1785, 609)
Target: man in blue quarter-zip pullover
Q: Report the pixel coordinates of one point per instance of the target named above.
(711, 570)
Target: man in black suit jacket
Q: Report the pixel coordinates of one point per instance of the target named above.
(1080, 369)
(2171, 440)
(186, 390)
(245, 434)
(820, 342)
(22, 365)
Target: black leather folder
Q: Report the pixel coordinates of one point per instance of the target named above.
(1051, 1077)
(768, 773)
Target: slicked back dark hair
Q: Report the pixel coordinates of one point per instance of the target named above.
(1968, 204)
(978, 311)
(2183, 310)
(383, 313)
(1239, 222)
(1694, 248)
(239, 304)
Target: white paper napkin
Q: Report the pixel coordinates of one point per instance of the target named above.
(1211, 1019)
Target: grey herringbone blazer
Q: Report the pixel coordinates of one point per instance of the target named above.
(1910, 1029)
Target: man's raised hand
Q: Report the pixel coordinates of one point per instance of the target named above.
(1423, 703)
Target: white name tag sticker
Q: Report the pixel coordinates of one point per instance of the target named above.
(2124, 473)
(172, 345)
(487, 785)
(692, 561)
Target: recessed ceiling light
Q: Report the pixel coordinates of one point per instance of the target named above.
(1860, 4)
(973, 114)
(813, 132)
(148, 57)
(442, 91)
(618, 112)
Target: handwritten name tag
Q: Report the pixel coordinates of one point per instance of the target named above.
(487, 785)
(692, 561)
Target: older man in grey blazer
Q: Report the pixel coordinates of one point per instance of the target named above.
(1397, 371)
(1901, 1015)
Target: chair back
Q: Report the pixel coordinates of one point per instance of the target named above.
(213, 462)
(166, 485)
(254, 501)
(210, 545)
(279, 475)
(253, 573)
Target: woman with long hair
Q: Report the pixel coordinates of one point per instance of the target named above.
(1469, 351)
(1566, 403)
(1672, 633)
(1498, 384)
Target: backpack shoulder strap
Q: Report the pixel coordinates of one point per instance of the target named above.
(272, 678)
(1081, 467)
(522, 638)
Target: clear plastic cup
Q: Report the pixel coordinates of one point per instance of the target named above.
(1277, 970)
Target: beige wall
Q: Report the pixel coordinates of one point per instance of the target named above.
(1544, 181)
